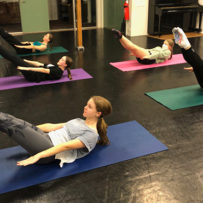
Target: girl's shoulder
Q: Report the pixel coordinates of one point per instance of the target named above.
(76, 121)
(80, 125)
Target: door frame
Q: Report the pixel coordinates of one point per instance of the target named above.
(99, 13)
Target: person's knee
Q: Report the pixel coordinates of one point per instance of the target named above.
(5, 116)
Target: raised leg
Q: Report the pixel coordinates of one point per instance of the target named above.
(137, 51)
(9, 38)
(31, 138)
(15, 59)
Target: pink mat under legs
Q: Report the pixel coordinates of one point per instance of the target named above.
(134, 65)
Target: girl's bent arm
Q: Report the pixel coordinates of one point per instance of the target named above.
(48, 127)
(72, 144)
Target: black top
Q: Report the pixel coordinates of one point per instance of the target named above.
(55, 74)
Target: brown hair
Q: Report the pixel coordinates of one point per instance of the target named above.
(50, 37)
(69, 62)
(171, 45)
(49, 46)
(104, 106)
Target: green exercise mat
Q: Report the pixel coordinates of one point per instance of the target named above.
(53, 50)
(179, 98)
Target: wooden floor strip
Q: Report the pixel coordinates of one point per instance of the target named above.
(170, 36)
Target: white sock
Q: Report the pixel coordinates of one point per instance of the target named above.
(176, 34)
(183, 42)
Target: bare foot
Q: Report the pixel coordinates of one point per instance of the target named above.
(190, 69)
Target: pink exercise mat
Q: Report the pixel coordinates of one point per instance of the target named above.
(134, 65)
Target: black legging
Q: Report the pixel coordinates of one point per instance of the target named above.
(9, 38)
(17, 61)
(14, 41)
(31, 138)
(196, 62)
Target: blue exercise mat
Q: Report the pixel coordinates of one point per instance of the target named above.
(128, 140)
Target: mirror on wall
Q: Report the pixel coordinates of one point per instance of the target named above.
(61, 13)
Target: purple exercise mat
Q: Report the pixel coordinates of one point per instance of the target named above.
(132, 65)
(19, 81)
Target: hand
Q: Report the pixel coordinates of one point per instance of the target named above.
(27, 61)
(190, 69)
(19, 46)
(29, 161)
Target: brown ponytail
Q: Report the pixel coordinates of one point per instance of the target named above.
(50, 38)
(171, 45)
(69, 73)
(102, 130)
(69, 62)
(103, 106)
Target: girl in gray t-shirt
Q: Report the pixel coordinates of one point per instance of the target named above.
(64, 141)
(147, 56)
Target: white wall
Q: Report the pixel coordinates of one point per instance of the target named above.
(137, 25)
(100, 13)
(200, 3)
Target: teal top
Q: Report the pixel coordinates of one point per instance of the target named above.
(37, 43)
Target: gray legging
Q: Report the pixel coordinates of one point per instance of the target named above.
(31, 138)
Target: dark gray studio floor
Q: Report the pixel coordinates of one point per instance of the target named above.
(172, 176)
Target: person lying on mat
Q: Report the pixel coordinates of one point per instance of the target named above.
(64, 141)
(189, 54)
(147, 56)
(26, 47)
(35, 71)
